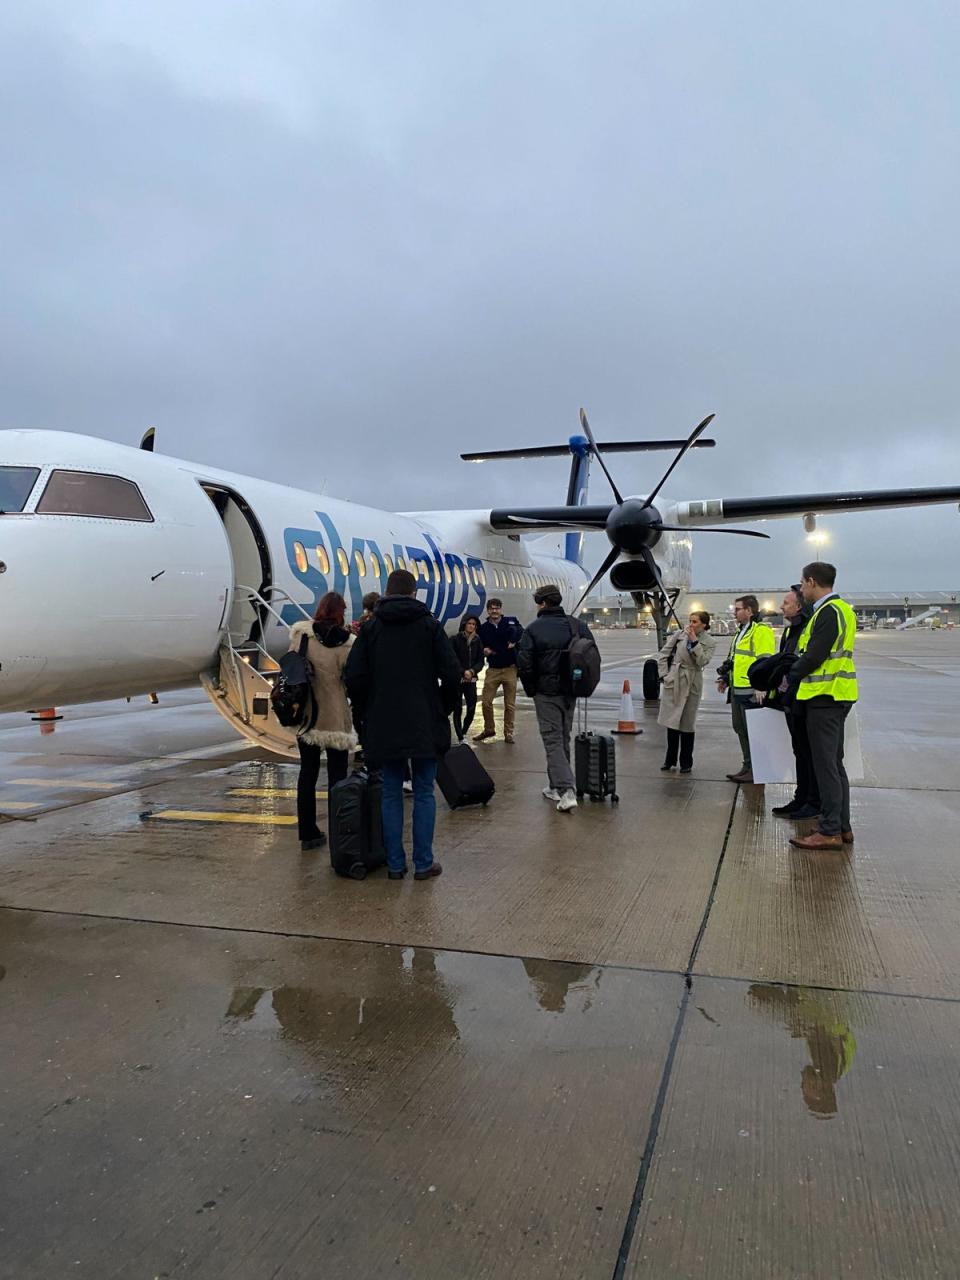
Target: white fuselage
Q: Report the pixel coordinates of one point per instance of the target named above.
(95, 607)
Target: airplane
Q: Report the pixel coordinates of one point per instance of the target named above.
(126, 572)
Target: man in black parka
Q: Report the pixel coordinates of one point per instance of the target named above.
(542, 664)
(404, 679)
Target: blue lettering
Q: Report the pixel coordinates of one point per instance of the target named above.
(430, 567)
(311, 577)
(479, 590)
(439, 578)
(457, 598)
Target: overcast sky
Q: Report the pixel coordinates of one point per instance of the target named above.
(346, 241)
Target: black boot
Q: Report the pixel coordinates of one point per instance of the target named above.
(686, 752)
(673, 747)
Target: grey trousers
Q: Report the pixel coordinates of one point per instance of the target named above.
(825, 724)
(555, 722)
(738, 713)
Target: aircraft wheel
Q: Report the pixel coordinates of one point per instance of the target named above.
(651, 681)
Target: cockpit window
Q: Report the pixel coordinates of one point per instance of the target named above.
(86, 493)
(15, 486)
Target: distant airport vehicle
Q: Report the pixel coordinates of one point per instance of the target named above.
(124, 572)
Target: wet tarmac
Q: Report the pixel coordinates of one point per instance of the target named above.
(651, 1040)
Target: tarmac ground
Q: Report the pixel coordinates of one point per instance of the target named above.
(642, 1040)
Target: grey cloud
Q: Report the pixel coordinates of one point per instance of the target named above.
(365, 238)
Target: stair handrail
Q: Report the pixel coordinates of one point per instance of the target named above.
(253, 595)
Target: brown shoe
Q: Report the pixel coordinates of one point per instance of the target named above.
(482, 737)
(745, 775)
(817, 840)
(846, 837)
(508, 737)
(434, 869)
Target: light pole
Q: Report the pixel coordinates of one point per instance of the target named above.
(619, 611)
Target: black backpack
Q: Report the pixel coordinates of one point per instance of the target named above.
(292, 694)
(581, 665)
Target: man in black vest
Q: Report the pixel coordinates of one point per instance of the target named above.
(541, 664)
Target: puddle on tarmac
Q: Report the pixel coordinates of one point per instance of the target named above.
(447, 996)
(819, 1019)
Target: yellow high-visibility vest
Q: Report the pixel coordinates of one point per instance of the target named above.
(757, 642)
(836, 677)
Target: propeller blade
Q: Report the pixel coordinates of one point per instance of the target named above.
(550, 524)
(598, 455)
(655, 570)
(694, 528)
(695, 434)
(601, 573)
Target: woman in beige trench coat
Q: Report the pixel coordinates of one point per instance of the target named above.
(680, 663)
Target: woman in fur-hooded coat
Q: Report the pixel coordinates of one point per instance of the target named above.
(328, 646)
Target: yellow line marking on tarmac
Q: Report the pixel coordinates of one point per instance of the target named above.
(265, 792)
(65, 784)
(207, 815)
(19, 804)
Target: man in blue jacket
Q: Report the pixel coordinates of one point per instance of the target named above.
(499, 637)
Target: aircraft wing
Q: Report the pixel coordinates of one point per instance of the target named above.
(718, 510)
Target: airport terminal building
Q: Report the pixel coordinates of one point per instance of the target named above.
(896, 606)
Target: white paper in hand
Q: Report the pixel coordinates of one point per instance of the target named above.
(771, 751)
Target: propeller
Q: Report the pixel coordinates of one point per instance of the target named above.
(655, 571)
(599, 576)
(598, 455)
(691, 441)
(634, 526)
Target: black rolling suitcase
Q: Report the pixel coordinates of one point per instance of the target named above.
(463, 779)
(595, 764)
(356, 826)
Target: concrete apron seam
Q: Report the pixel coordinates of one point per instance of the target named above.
(327, 937)
(653, 1133)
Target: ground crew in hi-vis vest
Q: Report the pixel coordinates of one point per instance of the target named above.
(753, 640)
(824, 679)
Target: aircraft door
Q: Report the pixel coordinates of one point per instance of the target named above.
(243, 618)
(241, 687)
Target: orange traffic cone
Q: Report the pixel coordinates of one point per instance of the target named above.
(46, 719)
(627, 723)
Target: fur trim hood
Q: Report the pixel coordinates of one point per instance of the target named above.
(332, 638)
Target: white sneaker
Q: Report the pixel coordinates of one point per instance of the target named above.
(551, 793)
(568, 801)
(408, 788)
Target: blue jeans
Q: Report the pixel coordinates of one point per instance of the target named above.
(424, 813)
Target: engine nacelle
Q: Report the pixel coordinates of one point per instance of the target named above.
(632, 575)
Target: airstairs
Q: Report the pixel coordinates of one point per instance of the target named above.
(246, 671)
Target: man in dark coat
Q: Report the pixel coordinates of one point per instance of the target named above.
(806, 797)
(404, 678)
(542, 666)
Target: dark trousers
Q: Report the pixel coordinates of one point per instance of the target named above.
(807, 791)
(468, 697)
(680, 745)
(310, 759)
(825, 724)
(738, 714)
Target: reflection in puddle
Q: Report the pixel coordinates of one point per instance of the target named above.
(552, 981)
(811, 1016)
(399, 993)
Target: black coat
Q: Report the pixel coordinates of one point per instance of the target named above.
(469, 652)
(404, 680)
(541, 658)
